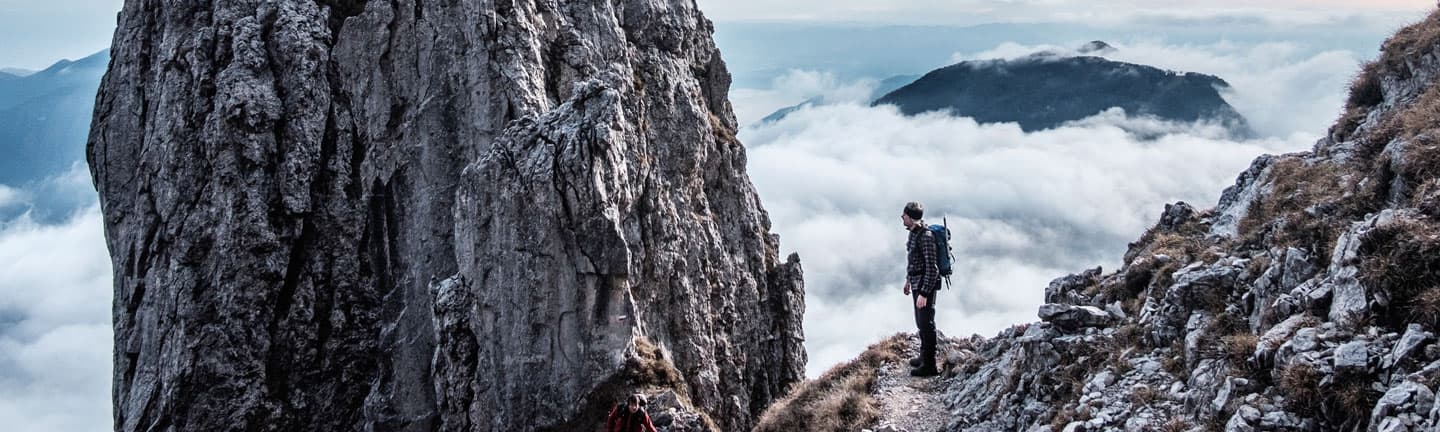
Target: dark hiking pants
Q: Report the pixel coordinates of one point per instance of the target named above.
(925, 321)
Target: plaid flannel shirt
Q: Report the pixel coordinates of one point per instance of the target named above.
(922, 266)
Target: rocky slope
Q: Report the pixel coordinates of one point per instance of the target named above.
(1308, 299)
(1045, 90)
(416, 216)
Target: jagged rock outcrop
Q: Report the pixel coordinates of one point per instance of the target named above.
(1308, 299)
(408, 215)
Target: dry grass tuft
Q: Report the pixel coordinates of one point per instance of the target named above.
(1210, 298)
(1353, 398)
(1420, 166)
(1165, 274)
(1258, 265)
(1300, 383)
(840, 399)
(1132, 306)
(650, 367)
(1066, 416)
(1365, 90)
(1421, 116)
(1079, 363)
(1119, 361)
(1186, 248)
(1416, 121)
(1137, 278)
(1237, 349)
(1176, 424)
(1154, 240)
(1309, 205)
(1143, 395)
(1175, 362)
(1345, 127)
(1130, 335)
(1228, 338)
(1403, 260)
(1410, 42)
(1425, 309)
(1427, 198)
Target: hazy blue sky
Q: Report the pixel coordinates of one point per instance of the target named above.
(961, 12)
(36, 33)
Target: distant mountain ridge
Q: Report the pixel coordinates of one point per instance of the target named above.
(45, 117)
(1046, 90)
(1050, 88)
(884, 87)
(14, 72)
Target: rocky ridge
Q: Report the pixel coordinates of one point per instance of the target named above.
(1307, 299)
(417, 216)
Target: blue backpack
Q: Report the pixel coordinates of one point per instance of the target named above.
(941, 234)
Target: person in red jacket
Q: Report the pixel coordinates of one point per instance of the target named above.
(631, 418)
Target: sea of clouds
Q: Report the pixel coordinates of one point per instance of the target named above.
(1024, 208)
(55, 333)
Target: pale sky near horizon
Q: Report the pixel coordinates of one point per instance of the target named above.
(37, 33)
(981, 11)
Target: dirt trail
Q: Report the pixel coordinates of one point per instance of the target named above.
(907, 403)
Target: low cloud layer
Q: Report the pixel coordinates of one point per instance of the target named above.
(48, 201)
(1024, 207)
(798, 86)
(55, 335)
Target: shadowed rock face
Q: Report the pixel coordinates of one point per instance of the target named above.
(412, 215)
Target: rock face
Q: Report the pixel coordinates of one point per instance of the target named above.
(1073, 317)
(407, 215)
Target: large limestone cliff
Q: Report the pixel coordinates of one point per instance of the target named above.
(1307, 299)
(423, 215)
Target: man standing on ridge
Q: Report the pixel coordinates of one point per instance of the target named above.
(922, 279)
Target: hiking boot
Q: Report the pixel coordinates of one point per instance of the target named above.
(924, 371)
(916, 362)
